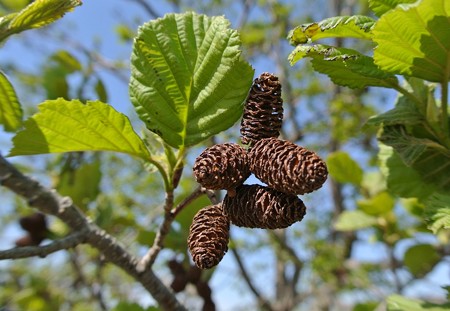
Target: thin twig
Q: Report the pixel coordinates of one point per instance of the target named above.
(149, 258)
(148, 8)
(50, 202)
(69, 241)
(263, 302)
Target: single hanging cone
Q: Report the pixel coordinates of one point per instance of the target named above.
(222, 166)
(263, 111)
(208, 236)
(287, 167)
(256, 206)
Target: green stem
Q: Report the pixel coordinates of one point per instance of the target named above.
(444, 109)
(165, 177)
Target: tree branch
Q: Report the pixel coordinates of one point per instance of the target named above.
(50, 202)
(70, 241)
(263, 302)
(148, 8)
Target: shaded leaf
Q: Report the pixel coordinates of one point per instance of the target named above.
(65, 126)
(356, 26)
(379, 7)
(405, 112)
(354, 220)
(10, 108)
(345, 67)
(437, 212)
(37, 14)
(188, 81)
(402, 180)
(377, 205)
(420, 259)
(400, 303)
(366, 306)
(414, 40)
(343, 168)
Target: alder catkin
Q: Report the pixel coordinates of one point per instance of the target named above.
(222, 166)
(287, 167)
(208, 236)
(263, 111)
(256, 206)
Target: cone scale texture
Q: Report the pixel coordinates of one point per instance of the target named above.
(256, 206)
(287, 167)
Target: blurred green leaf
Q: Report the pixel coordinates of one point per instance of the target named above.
(188, 80)
(100, 89)
(10, 108)
(437, 212)
(65, 126)
(354, 220)
(377, 205)
(132, 306)
(400, 303)
(343, 168)
(413, 40)
(356, 26)
(345, 67)
(366, 306)
(420, 259)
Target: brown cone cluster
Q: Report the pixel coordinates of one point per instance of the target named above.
(222, 166)
(263, 111)
(208, 236)
(286, 168)
(256, 206)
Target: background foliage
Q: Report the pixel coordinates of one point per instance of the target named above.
(375, 237)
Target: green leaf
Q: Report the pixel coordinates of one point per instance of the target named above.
(405, 112)
(379, 204)
(400, 303)
(354, 220)
(402, 180)
(437, 212)
(366, 306)
(65, 126)
(420, 259)
(188, 80)
(82, 183)
(10, 109)
(379, 7)
(343, 168)
(345, 67)
(356, 26)
(414, 40)
(37, 14)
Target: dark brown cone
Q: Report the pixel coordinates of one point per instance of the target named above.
(256, 206)
(263, 111)
(286, 167)
(208, 236)
(222, 166)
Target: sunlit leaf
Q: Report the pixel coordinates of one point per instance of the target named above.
(343, 168)
(379, 204)
(414, 40)
(345, 67)
(65, 126)
(188, 80)
(37, 14)
(379, 7)
(10, 109)
(437, 212)
(402, 180)
(401, 303)
(356, 26)
(354, 220)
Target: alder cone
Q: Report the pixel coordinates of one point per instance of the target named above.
(256, 206)
(208, 236)
(287, 167)
(222, 166)
(263, 111)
